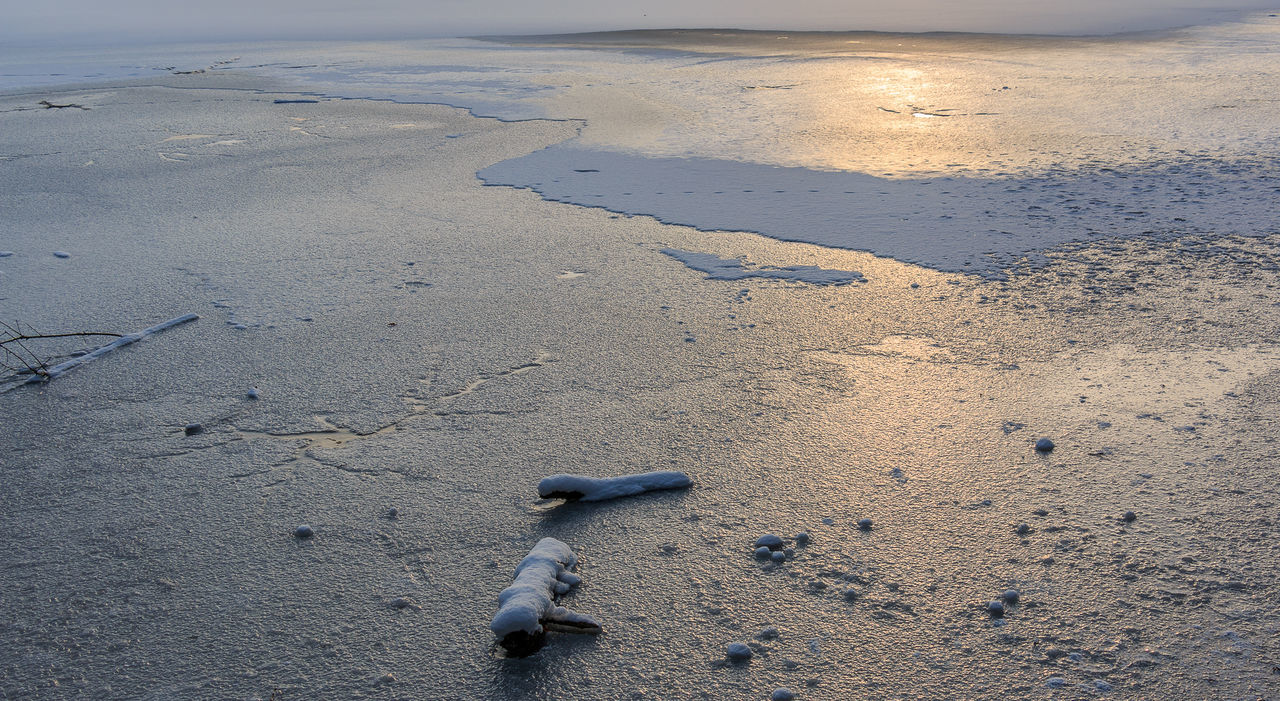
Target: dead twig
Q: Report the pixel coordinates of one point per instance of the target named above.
(52, 106)
(17, 356)
(37, 366)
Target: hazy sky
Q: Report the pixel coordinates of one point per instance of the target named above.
(158, 20)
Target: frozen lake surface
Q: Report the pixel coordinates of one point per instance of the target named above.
(962, 245)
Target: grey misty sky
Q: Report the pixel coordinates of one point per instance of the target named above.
(159, 20)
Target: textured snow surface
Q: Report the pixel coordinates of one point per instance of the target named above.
(541, 575)
(597, 489)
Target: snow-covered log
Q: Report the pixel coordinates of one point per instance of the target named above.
(594, 489)
(527, 607)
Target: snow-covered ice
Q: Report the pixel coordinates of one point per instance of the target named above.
(579, 487)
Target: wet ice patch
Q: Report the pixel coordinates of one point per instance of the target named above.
(954, 224)
(718, 268)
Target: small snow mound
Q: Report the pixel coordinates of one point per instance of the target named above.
(738, 652)
(769, 541)
(595, 489)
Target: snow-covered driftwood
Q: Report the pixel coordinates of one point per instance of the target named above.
(527, 608)
(61, 368)
(594, 489)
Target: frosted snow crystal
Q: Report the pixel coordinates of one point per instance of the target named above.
(769, 541)
(526, 605)
(594, 489)
(1044, 445)
(738, 652)
(781, 694)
